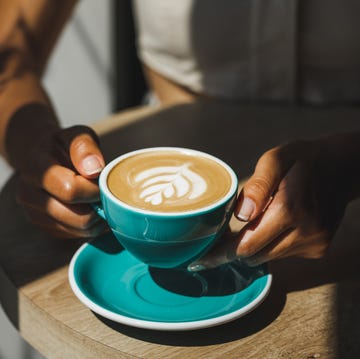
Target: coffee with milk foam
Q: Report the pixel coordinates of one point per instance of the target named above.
(169, 181)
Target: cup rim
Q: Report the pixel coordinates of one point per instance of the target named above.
(106, 191)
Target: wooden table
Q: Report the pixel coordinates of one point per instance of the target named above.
(312, 310)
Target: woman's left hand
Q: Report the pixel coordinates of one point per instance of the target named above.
(293, 202)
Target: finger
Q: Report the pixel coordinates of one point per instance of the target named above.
(276, 221)
(279, 247)
(69, 187)
(223, 252)
(285, 245)
(81, 143)
(44, 171)
(259, 189)
(79, 216)
(292, 243)
(255, 236)
(59, 230)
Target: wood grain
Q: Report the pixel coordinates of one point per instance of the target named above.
(311, 311)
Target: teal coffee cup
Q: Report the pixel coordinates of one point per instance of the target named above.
(167, 205)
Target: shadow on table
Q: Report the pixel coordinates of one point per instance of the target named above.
(348, 288)
(227, 280)
(253, 131)
(348, 319)
(253, 322)
(341, 266)
(26, 253)
(243, 135)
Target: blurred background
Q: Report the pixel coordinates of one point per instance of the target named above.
(87, 78)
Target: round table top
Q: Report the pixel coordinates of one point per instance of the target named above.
(311, 311)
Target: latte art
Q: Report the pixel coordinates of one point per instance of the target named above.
(168, 181)
(161, 183)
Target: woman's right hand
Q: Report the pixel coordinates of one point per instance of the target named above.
(57, 168)
(58, 181)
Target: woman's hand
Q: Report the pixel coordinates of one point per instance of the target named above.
(58, 181)
(57, 168)
(293, 202)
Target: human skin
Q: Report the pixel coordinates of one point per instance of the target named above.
(56, 167)
(293, 203)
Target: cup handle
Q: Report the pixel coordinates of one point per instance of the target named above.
(97, 206)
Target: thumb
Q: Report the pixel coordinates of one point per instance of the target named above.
(257, 192)
(82, 145)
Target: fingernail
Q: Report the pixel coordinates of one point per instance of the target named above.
(246, 210)
(91, 165)
(195, 267)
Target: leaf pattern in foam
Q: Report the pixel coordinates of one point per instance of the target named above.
(159, 183)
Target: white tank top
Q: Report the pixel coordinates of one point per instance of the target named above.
(263, 50)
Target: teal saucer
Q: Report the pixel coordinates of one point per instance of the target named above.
(115, 285)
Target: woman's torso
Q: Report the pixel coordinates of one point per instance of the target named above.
(263, 50)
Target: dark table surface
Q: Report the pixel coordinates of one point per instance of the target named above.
(312, 310)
